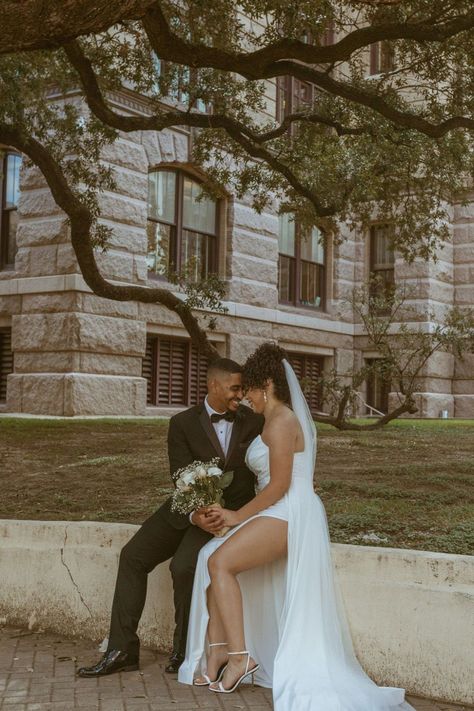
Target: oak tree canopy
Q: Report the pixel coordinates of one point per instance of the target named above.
(396, 144)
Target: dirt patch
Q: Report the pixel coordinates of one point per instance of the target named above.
(409, 485)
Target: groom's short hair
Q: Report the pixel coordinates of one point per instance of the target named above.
(223, 365)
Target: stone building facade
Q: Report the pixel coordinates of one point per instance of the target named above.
(65, 351)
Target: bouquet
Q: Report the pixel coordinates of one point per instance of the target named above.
(200, 484)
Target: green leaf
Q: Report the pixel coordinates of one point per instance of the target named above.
(226, 479)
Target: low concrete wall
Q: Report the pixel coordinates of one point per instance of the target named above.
(411, 612)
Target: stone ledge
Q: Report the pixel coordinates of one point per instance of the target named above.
(69, 394)
(417, 632)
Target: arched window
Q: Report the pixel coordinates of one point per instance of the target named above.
(183, 225)
(301, 265)
(10, 194)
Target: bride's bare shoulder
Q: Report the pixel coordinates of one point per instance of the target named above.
(281, 427)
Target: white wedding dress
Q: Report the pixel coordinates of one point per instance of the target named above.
(295, 626)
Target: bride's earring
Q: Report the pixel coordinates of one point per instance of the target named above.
(265, 399)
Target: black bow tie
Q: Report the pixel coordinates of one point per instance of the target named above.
(229, 416)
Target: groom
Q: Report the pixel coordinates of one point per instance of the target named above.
(218, 427)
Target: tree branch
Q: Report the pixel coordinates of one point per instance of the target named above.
(48, 25)
(171, 47)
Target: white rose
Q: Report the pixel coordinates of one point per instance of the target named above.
(200, 473)
(188, 478)
(214, 471)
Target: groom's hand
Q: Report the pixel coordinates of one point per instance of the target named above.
(210, 521)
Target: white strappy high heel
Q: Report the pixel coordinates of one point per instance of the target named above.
(220, 672)
(219, 689)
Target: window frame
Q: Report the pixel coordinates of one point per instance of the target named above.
(177, 94)
(376, 384)
(5, 212)
(285, 85)
(374, 271)
(285, 98)
(382, 58)
(297, 275)
(177, 228)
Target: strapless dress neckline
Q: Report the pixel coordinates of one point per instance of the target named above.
(266, 445)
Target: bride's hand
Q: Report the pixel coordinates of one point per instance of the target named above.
(231, 518)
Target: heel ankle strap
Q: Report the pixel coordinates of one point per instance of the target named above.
(218, 644)
(241, 653)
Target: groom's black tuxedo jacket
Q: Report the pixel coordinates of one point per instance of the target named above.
(191, 436)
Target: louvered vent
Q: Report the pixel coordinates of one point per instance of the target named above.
(175, 372)
(197, 377)
(149, 370)
(6, 361)
(308, 369)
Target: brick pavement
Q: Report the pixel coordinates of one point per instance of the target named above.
(37, 673)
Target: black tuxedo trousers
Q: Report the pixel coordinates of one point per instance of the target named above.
(167, 535)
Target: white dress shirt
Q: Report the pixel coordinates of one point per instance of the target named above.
(223, 428)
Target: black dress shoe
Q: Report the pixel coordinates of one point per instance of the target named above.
(113, 661)
(174, 663)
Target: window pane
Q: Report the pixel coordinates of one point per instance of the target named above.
(302, 94)
(198, 215)
(286, 279)
(312, 248)
(12, 178)
(283, 103)
(196, 254)
(311, 284)
(159, 241)
(378, 388)
(162, 195)
(382, 252)
(286, 236)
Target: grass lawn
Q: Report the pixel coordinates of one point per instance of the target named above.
(410, 485)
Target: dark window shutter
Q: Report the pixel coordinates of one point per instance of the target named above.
(172, 371)
(176, 373)
(197, 377)
(149, 369)
(297, 364)
(6, 361)
(308, 369)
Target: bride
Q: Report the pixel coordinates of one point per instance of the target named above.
(265, 604)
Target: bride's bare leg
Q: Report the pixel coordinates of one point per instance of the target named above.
(216, 656)
(263, 540)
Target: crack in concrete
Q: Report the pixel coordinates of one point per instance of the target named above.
(70, 574)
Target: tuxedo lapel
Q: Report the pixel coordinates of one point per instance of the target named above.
(235, 436)
(211, 433)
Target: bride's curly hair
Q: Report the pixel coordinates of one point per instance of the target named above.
(267, 362)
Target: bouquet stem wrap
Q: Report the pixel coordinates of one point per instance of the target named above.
(198, 485)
